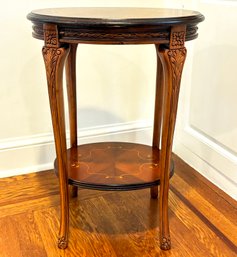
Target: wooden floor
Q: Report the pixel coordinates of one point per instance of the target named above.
(203, 219)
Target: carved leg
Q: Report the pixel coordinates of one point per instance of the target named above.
(172, 61)
(54, 58)
(72, 101)
(157, 114)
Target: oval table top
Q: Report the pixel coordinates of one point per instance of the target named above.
(115, 15)
(111, 24)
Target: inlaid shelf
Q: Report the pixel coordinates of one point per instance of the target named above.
(114, 166)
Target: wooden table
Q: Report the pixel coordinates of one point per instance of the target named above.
(114, 165)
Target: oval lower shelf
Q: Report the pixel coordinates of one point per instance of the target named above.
(114, 166)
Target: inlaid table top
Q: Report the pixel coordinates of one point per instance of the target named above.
(115, 25)
(114, 14)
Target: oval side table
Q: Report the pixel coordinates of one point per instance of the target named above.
(114, 165)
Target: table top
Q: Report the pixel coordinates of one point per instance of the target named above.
(115, 25)
(115, 15)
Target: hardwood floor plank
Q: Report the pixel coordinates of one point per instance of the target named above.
(22, 207)
(9, 243)
(44, 183)
(215, 216)
(96, 216)
(214, 195)
(85, 229)
(203, 233)
(21, 237)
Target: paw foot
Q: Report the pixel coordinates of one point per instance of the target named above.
(165, 243)
(62, 242)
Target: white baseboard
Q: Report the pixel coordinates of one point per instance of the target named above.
(225, 183)
(36, 153)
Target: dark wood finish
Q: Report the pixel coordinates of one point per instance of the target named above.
(116, 224)
(62, 29)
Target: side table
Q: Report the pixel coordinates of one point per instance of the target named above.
(114, 165)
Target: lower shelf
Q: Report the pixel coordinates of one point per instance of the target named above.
(114, 166)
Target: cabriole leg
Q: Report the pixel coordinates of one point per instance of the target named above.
(54, 57)
(172, 59)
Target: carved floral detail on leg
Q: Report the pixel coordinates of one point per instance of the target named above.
(165, 243)
(62, 242)
(177, 59)
(51, 38)
(177, 39)
(51, 57)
